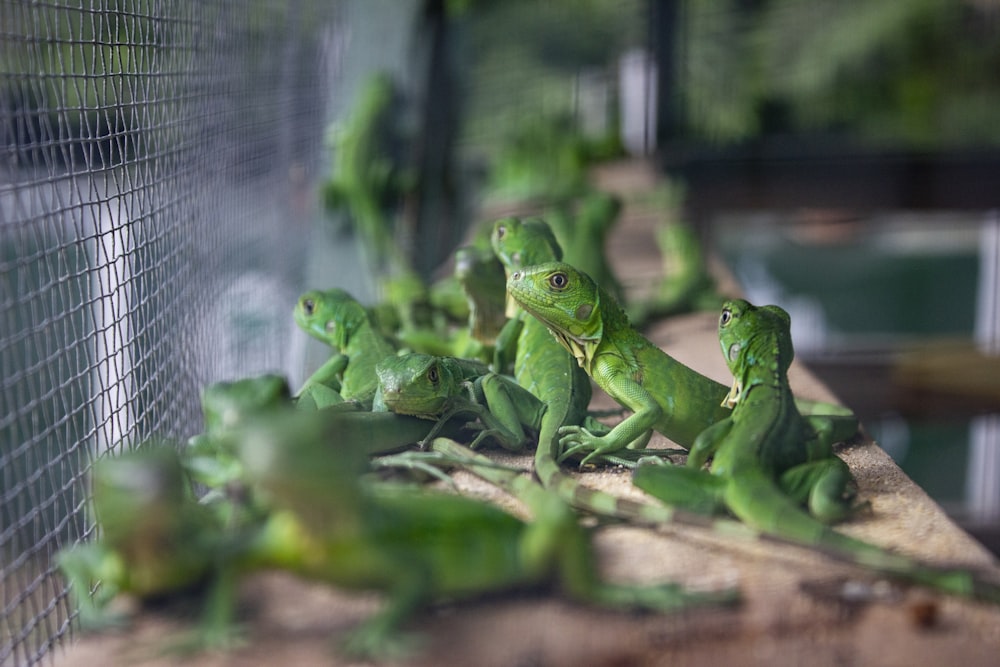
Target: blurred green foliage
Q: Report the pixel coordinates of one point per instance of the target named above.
(520, 59)
(919, 74)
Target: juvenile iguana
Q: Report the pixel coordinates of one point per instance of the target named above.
(767, 460)
(664, 394)
(547, 371)
(367, 177)
(483, 282)
(210, 457)
(414, 544)
(480, 280)
(156, 540)
(336, 318)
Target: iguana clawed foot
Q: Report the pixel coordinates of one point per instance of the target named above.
(575, 440)
(598, 449)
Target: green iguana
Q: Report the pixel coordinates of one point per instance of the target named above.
(367, 179)
(156, 540)
(664, 394)
(448, 390)
(767, 460)
(483, 282)
(336, 318)
(414, 544)
(429, 387)
(542, 367)
(209, 459)
(480, 280)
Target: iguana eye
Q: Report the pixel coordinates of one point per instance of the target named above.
(501, 230)
(726, 317)
(432, 374)
(309, 306)
(558, 280)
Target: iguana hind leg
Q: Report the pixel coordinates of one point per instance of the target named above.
(826, 487)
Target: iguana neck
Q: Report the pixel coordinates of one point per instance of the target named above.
(762, 372)
(607, 324)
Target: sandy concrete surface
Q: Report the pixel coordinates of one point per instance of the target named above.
(794, 610)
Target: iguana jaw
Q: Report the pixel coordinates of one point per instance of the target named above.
(733, 397)
(578, 330)
(581, 348)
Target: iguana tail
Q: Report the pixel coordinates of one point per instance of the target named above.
(572, 492)
(759, 504)
(781, 522)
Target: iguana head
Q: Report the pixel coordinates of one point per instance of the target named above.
(756, 343)
(332, 316)
(566, 300)
(519, 243)
(416, 384)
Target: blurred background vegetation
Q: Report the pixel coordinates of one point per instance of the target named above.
(920, 74)
(200, 125)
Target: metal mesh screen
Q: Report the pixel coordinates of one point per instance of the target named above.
(157, 164)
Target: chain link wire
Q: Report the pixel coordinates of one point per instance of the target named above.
(159, 167)
(158, 163)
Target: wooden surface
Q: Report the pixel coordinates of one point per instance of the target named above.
(793, 611)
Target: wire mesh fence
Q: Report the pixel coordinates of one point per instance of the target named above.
(159, 169)
(157, 163)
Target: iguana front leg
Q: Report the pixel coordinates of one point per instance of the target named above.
(708, 442)
(508, 407)
(327, 375)
(690, 487)
(634, 431)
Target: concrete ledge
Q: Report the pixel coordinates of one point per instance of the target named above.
(793, 611)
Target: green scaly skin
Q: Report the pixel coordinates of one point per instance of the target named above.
(412, 544)
(480, 282)
(664, 394)
(209, 458)
(336, 318)
(443, 389)
(768, 461)
(547, 370)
